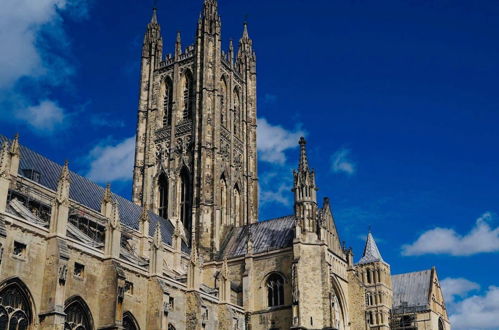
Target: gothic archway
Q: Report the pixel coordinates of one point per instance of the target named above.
(129, 322)
(78, 316)
(15, 305)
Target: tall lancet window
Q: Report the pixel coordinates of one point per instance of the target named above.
(237, 206)
(167, 104)
(223, 103)
(237, 112)
(188, 96)
(163, 196)
(275, 290)
(224, 205)
(185, 199)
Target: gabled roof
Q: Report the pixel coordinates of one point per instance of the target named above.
(87, 193)
(266, 235)
(411, 291)
(371, 251)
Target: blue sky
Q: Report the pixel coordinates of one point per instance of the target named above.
(398, 100)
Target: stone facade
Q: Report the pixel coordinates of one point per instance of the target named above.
(188, 251)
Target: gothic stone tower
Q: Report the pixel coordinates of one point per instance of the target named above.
(195, 159)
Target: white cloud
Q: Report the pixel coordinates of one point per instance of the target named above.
(453, 288)
(481, 239)
(341, 162)
(477, 312)
(281, 195)
(34, 54)
(274, 140)
(21, 22)
(44, 117)
(112, 162)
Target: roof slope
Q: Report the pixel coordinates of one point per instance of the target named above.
(87, 193)
(411, 291)
(266, 235)
(371, 251)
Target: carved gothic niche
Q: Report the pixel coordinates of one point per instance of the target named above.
(63, 273)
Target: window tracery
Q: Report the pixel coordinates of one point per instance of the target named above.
(15, 308)
(187, 95)
(78, 316)
(167, 103)
(275, 290)
(129, 322)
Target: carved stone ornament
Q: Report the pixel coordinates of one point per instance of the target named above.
(63, 273)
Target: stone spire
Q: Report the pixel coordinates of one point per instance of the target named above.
(371, 251)
(305, 192)
(178, 45)
(153, 42)
(245, 44)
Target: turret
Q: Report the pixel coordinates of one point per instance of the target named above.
(246, 57)
(374, 272)
(152, 53)
(305, 192)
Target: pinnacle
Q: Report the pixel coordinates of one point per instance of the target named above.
(303, 165)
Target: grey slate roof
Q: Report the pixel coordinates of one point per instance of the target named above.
(267, 235)
(88, 193)
(411, 291)
(371, 251)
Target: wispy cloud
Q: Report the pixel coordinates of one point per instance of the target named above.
(32, 59)
(481, 239)
(477, 312)
(109, 162)
(44, 117)
(341, 162)
(269, 98)
(455, 288)
(274, 140)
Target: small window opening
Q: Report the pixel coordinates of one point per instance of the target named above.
(79, 270)
(19, 249)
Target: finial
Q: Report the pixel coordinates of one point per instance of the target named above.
(245, 29)
(303, 165)
(65, 170)
(14, 148)
(154, 18)
(107, 198)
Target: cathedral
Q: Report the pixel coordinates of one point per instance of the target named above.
(189, 250)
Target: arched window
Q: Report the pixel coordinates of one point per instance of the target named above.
(170, 326)
(186, 199)
(129, 322)
(275, 288)
(224, 205)
(237, 112)
(163, 196)
(223, 103)
(15, 307)
(168, 102)
(237, 206)
(441, 325)
(187, 95)
(78, 315)
(369, 276)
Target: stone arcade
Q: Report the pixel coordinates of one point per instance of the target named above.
(189, 251)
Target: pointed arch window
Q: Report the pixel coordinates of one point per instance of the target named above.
(223, 103)
(170, 326)
(168, 103)
(186, 199)
(188, 96)
(163, 196)
(15, 307)
(129, 322)
(237, 112)
(78, 316)
(224, 205)
(275, 290)
(237, 206)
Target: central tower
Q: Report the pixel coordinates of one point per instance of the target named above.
(196, 157)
